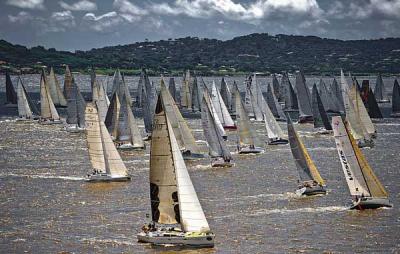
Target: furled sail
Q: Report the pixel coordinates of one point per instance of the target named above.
(379, 91)
(222, 111)
(24, 109)
(304, 164)
(246, 133)
(216, 144)
(54, 89)
(47, 108)
(172, 88)
(396, 98)
(303, 96)
(319, 114)
(11, 95)
(360, 178)
(226, 94)
(179, 125)
(68, 80)
(76, 107)
(102, 152)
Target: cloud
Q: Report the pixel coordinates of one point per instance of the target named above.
(83, 5)
(27, 4)
(103, 23)
(58, 22)
(22, 17)
(255, 10)
(126, 6)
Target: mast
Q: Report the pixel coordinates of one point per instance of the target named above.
(360, 178)
(11, 95)
(304, 164)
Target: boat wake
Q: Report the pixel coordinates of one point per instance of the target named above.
(44, 176)
(299, 210)
(202, 166)
(95, 240)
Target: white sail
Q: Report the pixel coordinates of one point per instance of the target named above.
(186, 100)
(137, 139)
(24, 110)
(220, 107)
(217, 122)
(102, 101)
(246, 133)
(191, 213)
(54, 89)
(48, 110)
(93, 138)
(181, 129)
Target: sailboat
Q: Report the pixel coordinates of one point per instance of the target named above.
(246, 140)
(304, 99)
(320, 116)
(106, 161)
(149, 103)
(11, 95)
(68, 83)
(186, 100)
(217, 122)
(337, 92)
(357, 127)
(172, 88)
(396, 99)
(54, 90)
(176, 212)
(221, 109)
(372, 105)
(379, 91)
(276, 87)
(48, 112)
(127, 135)
(195, 95)
(251, 107)
(290, 97)
(183, 134)
(26, 109)
(226, 94)
(311, 181)
(217, 147)
(274, 106)
(328, 98)
(365, 188)
(76, 110)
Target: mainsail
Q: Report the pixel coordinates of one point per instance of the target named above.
(304, 164)
(76, 107)
(24, 109)
(179, 125)
(54, 90)
(111, 120)
(216, 144)
(380, 89)
(186, 100)
(290, 96)
(372, 105)
(337, 91)
(11, 95)
(219, 105)
(327, 98)
(173, 197)
(102, 152)
(396, 98)
(275, 87)
(303, 96)
(273, 104)
(360, 178)
(217, 122)
(226, 94)
(149, 104)
(101, 99)
(47, 108)
(68, 80)
(319, 114)
(246, 133)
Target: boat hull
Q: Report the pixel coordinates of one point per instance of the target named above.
(305, 119)
(365, 143)
(50, 122)
(370, 203)
(230, 127)
(221, 163)
(187, 155)
(106, 178)
(311, 191)
(277, 142)
(247, 150)
(164, 238)
(129, 146)
(74, 129)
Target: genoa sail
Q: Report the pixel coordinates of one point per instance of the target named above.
(379, 91)
(360, 178)
(304, 164)
(54, 90)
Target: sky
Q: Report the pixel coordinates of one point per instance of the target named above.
(84, 24)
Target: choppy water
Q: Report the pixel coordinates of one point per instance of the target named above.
(47, 208)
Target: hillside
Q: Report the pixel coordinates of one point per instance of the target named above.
(254, 52)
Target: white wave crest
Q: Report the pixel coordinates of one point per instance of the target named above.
(300, 210)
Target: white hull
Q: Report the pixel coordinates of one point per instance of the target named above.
(247, 149)
(50, 122)
(103, 177)
(221, 163)
(311, 190)
(370, 203)
(74, 129)
(177, 238)
(129, 146)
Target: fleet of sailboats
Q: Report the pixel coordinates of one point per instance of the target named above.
(177, 216)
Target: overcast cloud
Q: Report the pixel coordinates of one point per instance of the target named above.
(85, 24)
